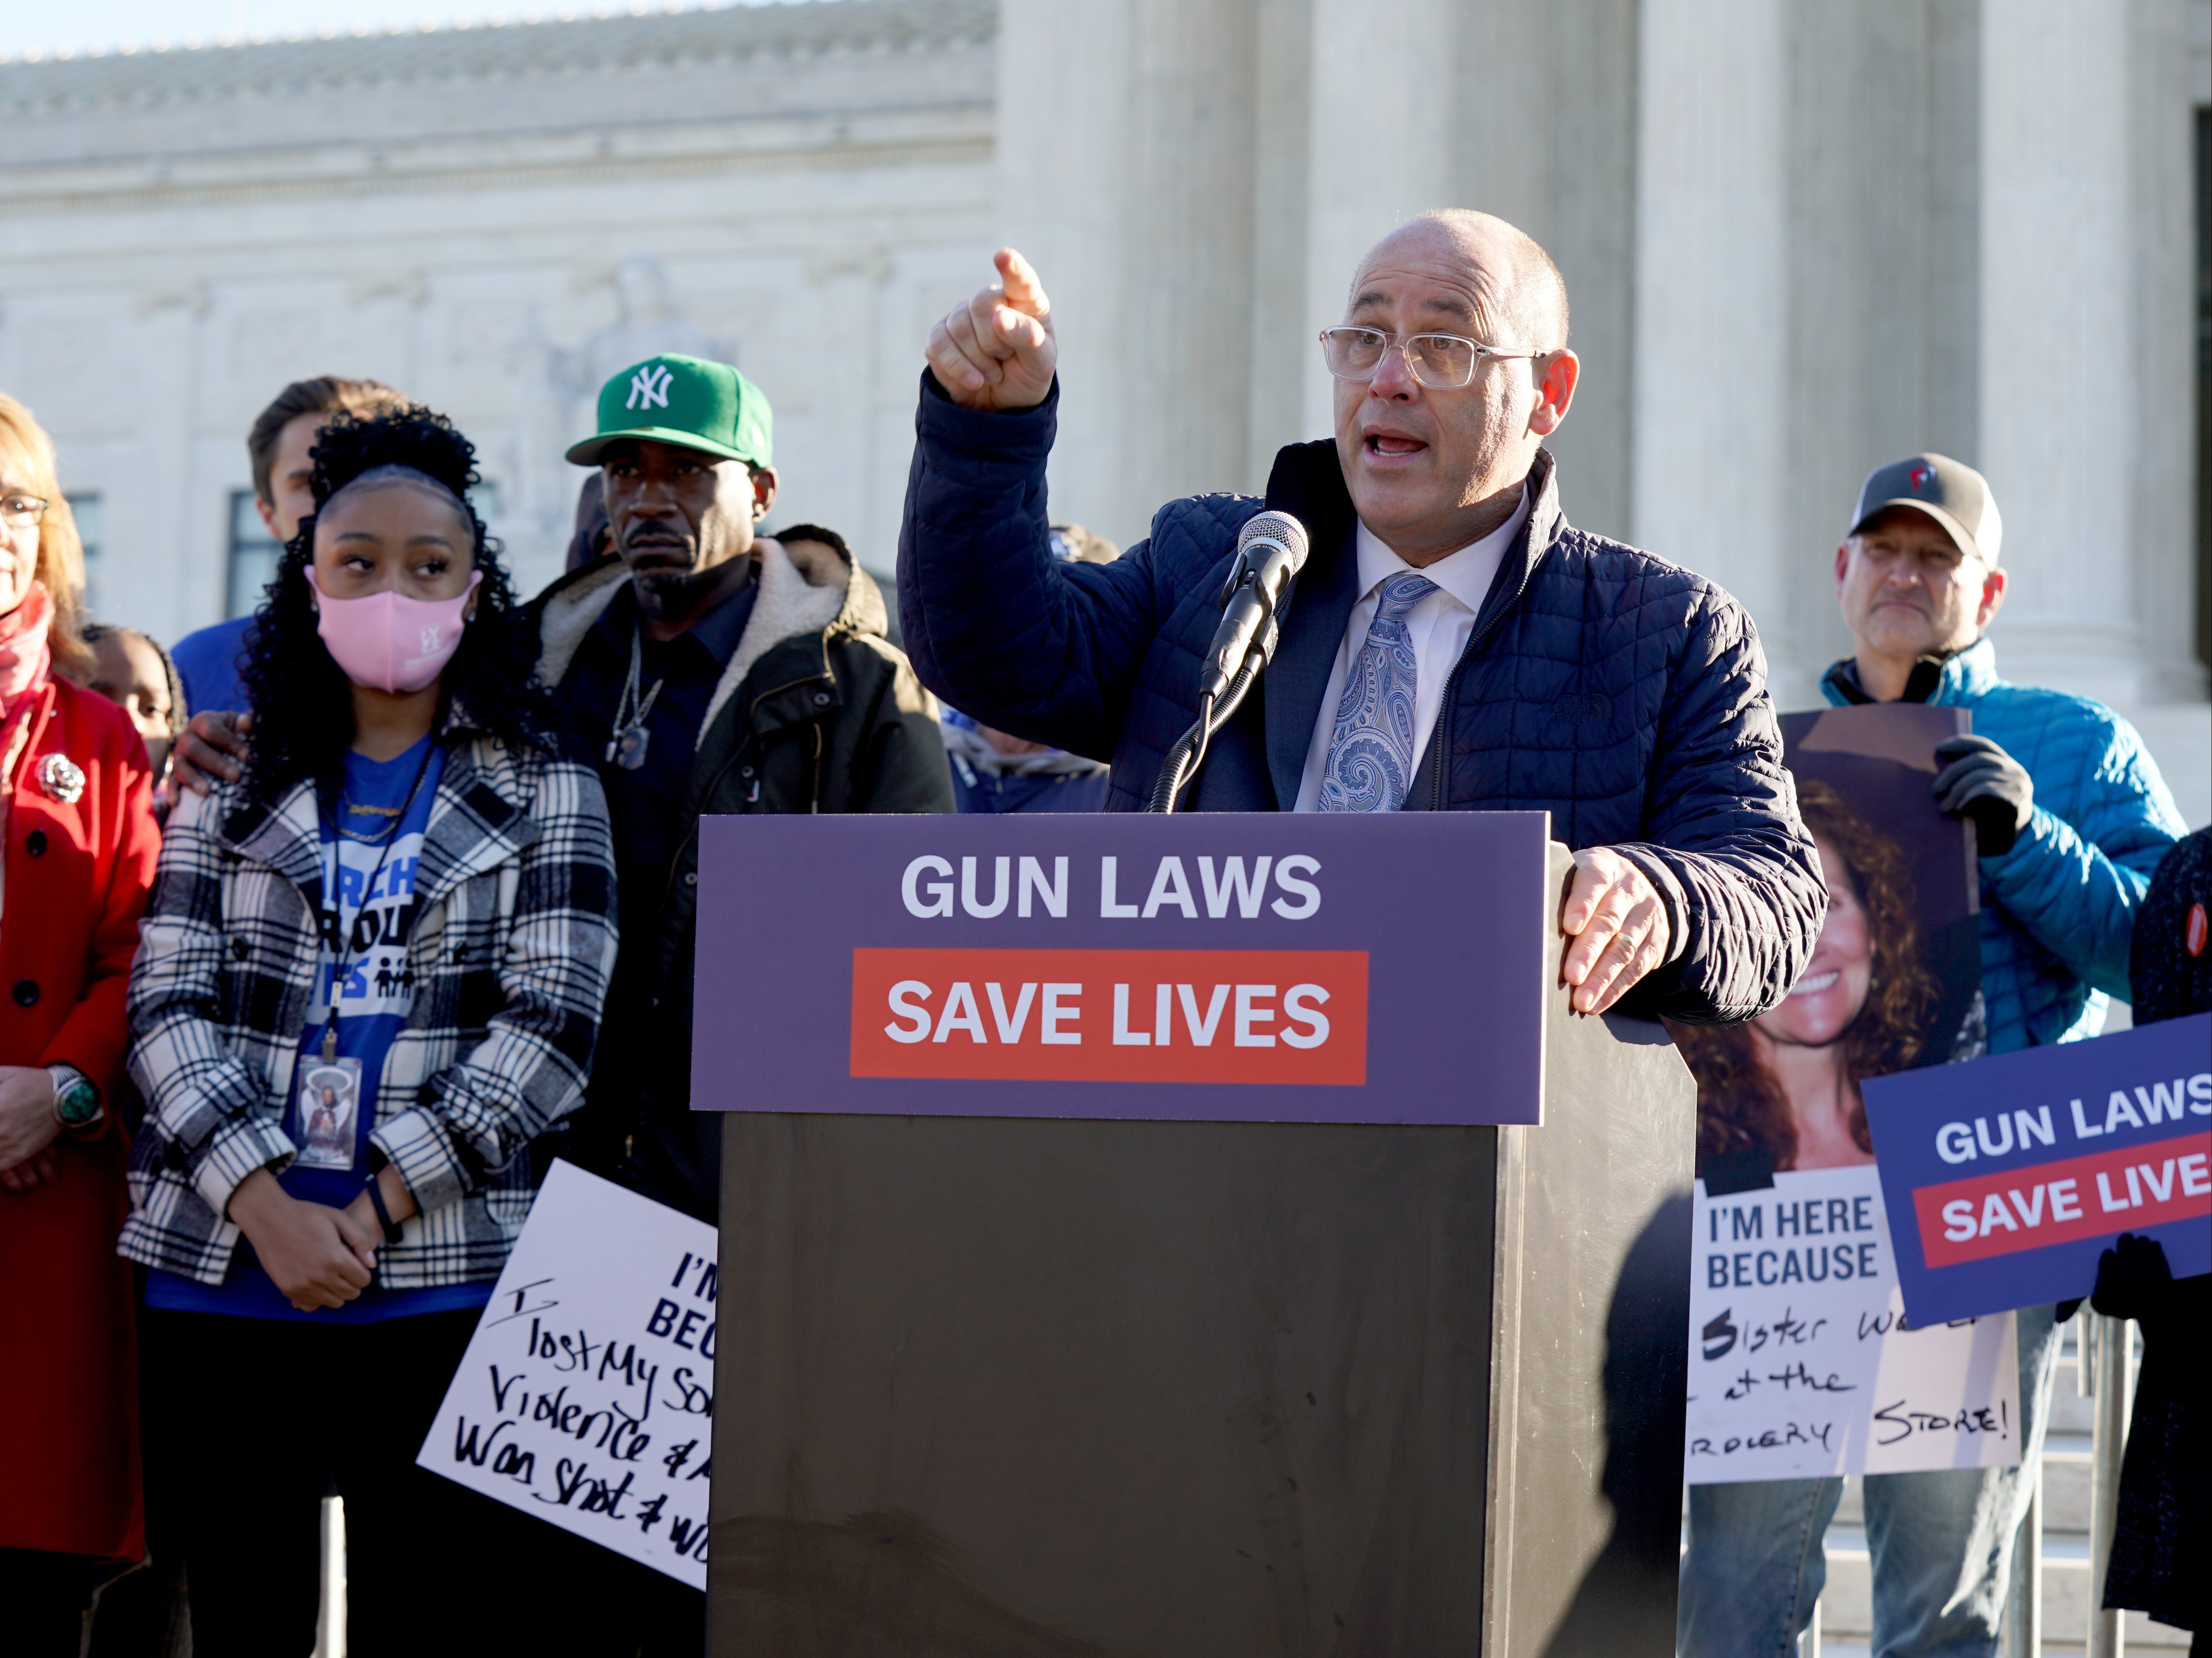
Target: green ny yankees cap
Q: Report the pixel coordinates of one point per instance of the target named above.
(686, 401)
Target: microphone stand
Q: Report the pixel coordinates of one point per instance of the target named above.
(1270, 549)
(1188, 753)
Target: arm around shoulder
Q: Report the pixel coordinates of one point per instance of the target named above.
(128, 844)
(529, 1071)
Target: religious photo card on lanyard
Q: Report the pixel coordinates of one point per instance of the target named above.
(329, 1100)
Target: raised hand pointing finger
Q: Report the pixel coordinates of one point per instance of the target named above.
(998, 351)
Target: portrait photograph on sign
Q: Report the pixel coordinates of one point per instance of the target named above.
(1893, 984)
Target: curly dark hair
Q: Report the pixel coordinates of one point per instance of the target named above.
(302, 701)
(1740, 1105)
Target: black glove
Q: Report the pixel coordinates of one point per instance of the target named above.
(1982, 781)
(2133, 1278)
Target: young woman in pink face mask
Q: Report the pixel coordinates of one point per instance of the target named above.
(367, 995)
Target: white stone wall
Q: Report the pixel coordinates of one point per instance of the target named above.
(170, 262)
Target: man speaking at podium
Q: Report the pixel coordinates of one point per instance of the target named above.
(1449, 644)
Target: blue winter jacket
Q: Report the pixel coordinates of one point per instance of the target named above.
(983, 793)
(1621, 694)
(2058, 910)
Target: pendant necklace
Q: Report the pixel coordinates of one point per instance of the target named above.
(626, 745)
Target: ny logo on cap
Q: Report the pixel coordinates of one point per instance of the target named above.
(1921, 475)
(649, 387)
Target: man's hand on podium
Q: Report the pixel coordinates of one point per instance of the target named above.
(1618, 925)
(998, 351)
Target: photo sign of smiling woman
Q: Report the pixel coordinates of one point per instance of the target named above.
(1801, 1360)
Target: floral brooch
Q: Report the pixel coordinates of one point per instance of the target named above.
(60, 777)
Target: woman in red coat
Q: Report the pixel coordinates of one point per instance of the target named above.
(80, 845)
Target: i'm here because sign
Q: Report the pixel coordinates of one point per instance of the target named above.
(1225, 966)
(1802, 1365)
(587, 1396)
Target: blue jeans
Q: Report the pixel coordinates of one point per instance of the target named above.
(1942, 1547)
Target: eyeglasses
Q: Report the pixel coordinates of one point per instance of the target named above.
(1443, 362)
(21, 512)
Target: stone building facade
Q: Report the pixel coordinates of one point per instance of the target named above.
(1800, 239)
(493, 218)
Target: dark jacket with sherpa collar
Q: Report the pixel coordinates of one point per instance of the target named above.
(816, 712)
(1622, 694)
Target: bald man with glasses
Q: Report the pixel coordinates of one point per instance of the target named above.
(1451, 644)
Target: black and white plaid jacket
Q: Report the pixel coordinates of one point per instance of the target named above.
(513, 943)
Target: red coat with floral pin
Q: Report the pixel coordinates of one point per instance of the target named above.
(81, 847)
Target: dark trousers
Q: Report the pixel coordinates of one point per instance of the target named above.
(43, 1597)
(253, 1419)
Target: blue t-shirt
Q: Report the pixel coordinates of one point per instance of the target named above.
(207, 666)
(372, 843)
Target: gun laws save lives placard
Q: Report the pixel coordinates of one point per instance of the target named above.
(2011, 1175)
(586, 1396)
(1801, 1365)
(1218, 967)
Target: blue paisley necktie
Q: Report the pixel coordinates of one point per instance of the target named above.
(1370, 752)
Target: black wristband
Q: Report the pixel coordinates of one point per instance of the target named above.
(391, 1232)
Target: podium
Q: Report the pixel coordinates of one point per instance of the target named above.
(1013, 1385)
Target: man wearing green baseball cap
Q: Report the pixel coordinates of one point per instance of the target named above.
(704, 667)
(707, 668)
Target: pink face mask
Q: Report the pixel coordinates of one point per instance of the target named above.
(389, 641)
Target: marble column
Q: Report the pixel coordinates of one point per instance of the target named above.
(1884, 278)
(1710, 482)
(1063, 109)
(2060, 380)
(1126, 165)
(2162, 113)
(1380, 147)
(1546, 140)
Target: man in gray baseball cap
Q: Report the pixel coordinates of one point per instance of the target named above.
(2070, 819)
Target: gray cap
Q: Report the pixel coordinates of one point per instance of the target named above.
(1951, 492)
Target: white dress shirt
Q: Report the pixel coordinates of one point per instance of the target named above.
(1438, 628)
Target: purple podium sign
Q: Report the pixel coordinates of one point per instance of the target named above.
(1253, 968)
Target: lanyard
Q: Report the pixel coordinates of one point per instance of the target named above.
(338, 903)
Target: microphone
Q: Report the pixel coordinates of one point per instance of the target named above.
(1270, 550)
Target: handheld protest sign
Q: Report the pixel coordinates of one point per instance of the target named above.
(2009, 1176)
(1873, 763)
(587, 1396)
(1800, 1364)
(1256, 967)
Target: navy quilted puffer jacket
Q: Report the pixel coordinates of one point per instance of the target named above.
(1621, 694)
